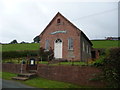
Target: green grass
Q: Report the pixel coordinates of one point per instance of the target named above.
(105, 43)
(19, 60)
(44, 83)
(8, 75)
(65, 63)
(41, 82)
(13, 60)
(18, 47)
(75, 63)
(35, 46)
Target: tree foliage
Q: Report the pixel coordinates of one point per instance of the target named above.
(112, 67)
(18, 54)
(36, 39)
(14, 42)
(44, 54)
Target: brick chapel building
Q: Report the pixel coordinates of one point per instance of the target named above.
(67, 41)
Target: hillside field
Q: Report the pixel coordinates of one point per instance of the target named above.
(18, 47)
(35, 46)
(105, 43)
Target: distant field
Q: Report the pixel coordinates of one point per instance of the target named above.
(105, 43)
(35, 46)
(18, 47)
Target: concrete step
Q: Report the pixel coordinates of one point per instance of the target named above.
(28, 75)
(32, 71)
(20, 78)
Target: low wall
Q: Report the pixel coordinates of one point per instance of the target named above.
(14, 68)
(80, 75)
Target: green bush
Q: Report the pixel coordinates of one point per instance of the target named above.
(20, 54)
(44, 54)
(102, 51)
(99, 62)
(112, 67)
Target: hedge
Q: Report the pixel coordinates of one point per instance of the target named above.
(18, 54)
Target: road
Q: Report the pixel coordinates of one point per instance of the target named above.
(12, 84)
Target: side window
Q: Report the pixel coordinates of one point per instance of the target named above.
(87, 49)
(47, 44)
(83, 46)
(70, 44)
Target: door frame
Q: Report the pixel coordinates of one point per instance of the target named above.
(61, 48)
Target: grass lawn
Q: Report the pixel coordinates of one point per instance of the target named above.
(35, 46)
(105, 43)
(18, 47)
(41, 82)
(64, 63)
(13, 60)
(19, 60)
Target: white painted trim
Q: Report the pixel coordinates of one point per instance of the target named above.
(56, 53)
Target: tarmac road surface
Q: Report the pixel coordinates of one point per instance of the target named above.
(12, 84)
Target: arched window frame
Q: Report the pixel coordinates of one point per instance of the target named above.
(58, 41)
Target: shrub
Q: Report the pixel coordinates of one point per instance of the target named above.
(44, 54)
(98, 62)
(112, 67)
(102, 51)
(18, 54)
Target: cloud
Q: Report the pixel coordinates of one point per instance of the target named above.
(24, 19)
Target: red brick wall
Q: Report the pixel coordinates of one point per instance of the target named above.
(14, 68)
(71, 33)
(73, 74)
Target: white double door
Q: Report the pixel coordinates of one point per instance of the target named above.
(58, 48)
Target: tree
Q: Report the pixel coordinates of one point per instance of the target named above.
(13, 42)
(112, 67)
(36, 39)
(23, 42)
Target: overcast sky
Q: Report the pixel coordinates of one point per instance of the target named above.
(24, 19)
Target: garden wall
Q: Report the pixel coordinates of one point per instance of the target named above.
(13, 68)
(80, 75)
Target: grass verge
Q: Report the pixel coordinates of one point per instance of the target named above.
(64, 63)
(39, 82)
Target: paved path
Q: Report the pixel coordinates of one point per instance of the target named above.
(13, 84)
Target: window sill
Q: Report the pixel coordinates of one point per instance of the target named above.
(70, 49)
